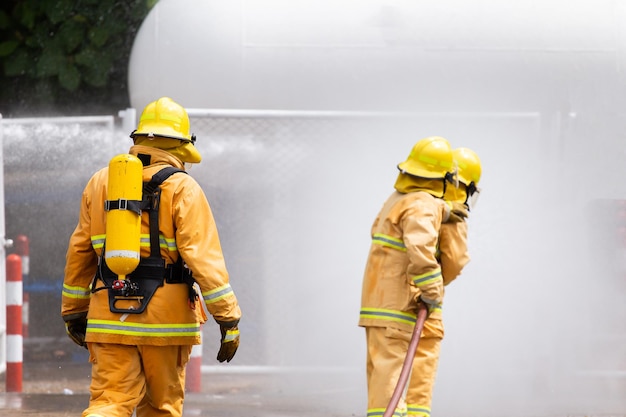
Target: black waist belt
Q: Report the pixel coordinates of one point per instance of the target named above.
(141, 284)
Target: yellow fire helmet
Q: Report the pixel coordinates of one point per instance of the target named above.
(469, 171)
(468, 163)
(430, 157)
(164, 124)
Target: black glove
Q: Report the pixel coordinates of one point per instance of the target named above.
(229, 342)
(422, 305)
(76, 328)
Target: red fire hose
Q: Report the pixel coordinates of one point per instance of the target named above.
(422, 312)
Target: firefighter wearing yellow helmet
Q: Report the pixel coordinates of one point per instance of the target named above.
(453, 256)
(140, 330)
(465, 194)
(403, 269)
(469, 171)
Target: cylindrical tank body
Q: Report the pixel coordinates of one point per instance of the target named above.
(447, 56)
(123, 225)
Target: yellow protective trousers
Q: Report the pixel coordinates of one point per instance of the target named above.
(150, 379)
(424, 370)
(386, 350)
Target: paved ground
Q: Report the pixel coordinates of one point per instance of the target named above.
(62, 391)
(57, 386)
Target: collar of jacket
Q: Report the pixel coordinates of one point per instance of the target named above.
(410, 184)
(156, 155)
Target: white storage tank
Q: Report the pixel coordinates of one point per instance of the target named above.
(450, 55)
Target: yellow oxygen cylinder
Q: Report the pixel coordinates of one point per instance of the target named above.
(123, 224)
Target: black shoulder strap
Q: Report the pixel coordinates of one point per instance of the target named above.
(157, 179)
(151, 197)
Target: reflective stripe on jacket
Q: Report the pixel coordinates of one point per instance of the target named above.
(402, 263)
(187, 229)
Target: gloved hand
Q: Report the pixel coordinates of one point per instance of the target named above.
(76, 328)
(422, 305)
(229, 342)
(457, 212)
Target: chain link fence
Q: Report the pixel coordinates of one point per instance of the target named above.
(280, 185)
(267, 177)
(294, 195)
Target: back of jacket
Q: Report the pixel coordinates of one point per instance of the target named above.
(186, 228)
(402, 262)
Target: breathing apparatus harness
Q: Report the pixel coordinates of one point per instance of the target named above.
(141, 284)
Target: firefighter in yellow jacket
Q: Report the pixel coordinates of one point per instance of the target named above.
(454, 234)
(402, 267)
(140, 328)
(452, 256)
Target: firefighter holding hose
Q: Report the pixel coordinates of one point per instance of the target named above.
(144, 256)
(404, 271)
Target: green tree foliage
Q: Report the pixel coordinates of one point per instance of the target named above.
(66, 57)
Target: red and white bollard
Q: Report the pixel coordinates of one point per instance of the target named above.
(14, 323)
(22, 248)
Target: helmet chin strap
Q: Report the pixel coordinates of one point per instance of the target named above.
(473, 193)
(449, 177)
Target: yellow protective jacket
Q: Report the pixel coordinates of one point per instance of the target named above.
(402, 262)
(453, 253)
(187, 229)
